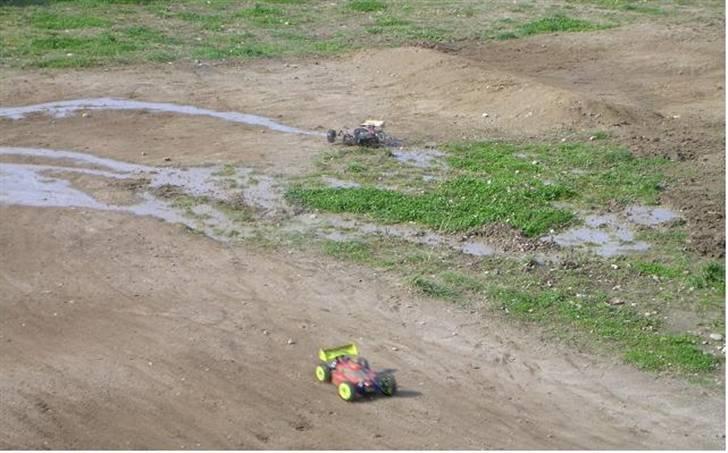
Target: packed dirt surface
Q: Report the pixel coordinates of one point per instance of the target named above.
(125, 332)
(120, 332)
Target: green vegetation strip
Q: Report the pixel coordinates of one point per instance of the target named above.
(643, 346)
(79, 33)
(506, 183)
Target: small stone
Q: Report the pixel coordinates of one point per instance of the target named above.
(167, 159)
(291, 341)
(592, 138)
(716, 336)
(615, 301)
(395, 348)
(265, 332)
(85, 115)
(485, 115)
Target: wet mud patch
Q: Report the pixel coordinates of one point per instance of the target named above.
(62, 109)
(122, 192)
(612, 234)
(215, 200)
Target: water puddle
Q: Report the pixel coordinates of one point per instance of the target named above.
(30, 185)
(650, 216)
(43, 185)
(339, 183)
(62, 109)
(606, 234)
(477, 249)
(422, 158)
(338, 228)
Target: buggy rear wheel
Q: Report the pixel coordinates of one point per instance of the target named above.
(388, 385)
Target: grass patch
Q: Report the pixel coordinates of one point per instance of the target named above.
(711, 276)
(366, 6)
(434, 289)
(262, 15)
(557, 23)
(643, 346)
(57, 21)
(637, 6)
(356, 251)
(657, 269)
(227, 29)
(507, 183)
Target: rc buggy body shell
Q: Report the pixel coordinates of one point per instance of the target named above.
(351, 374)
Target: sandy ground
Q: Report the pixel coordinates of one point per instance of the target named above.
(123, 332)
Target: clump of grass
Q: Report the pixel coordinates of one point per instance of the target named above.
(657, 269)
(557, 23)
(57, 21)
(638, 6)
(433, 288)
(366, 6)
(643, 346)
(228, 170)
(462, 281)
(712, 276)
(356, 251)
(262, 15)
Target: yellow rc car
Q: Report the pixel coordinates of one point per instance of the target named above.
(351, 374)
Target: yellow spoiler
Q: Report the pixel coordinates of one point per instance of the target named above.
(327, 355)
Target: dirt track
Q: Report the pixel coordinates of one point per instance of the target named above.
(124, 332)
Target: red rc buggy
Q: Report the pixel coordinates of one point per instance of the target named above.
(351, 374)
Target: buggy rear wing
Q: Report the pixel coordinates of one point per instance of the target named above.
(327, 355)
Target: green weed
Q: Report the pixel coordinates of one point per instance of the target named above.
(434, 289)
(356, 251)
(557, 23)
(366, 6)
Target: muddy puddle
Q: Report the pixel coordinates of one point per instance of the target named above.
(422, 158)
(46, 185)
(62, 109)
(613, 234)
(339, 228)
